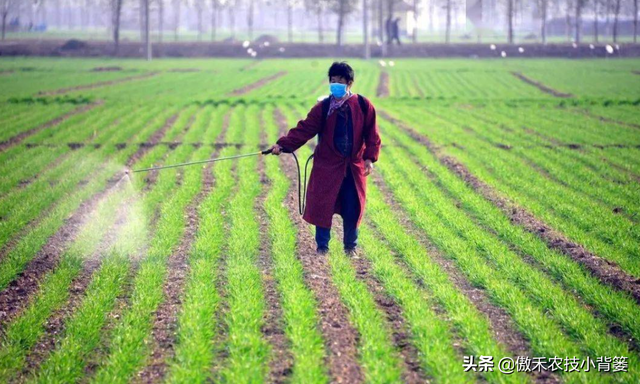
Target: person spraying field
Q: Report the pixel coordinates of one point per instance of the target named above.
(348, 145)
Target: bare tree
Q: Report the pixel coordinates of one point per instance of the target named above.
(432, 9)
(215, 6)
(58, 8)
(414, 35)
(250, 11)
(608, 9)
(543, 6)
(116, 12)
(176, 18)
(6, 7)
(510, 21)
(233, 6)
(616, 14)
(160, 20)
(596, 19)
(365, 29)
(447, 31)
(317, 7)
(578, 19)
(147, 29)
(635, 21)
(342, 8)
(567, 18)
(199, 6)
(290, 4)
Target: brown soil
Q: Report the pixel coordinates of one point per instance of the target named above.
(401, 333)
(96, 85)
(15, 296)
(250, 65)
(166, 317)
(21, 136)
(605, 270)
(184, 70)
(107, 69)
(281, 363)
(541, 86)
(166, 320)
(383, 85)
(609, 120)
(260, 83)
(622, 169)
(340, 337)
(55, 325)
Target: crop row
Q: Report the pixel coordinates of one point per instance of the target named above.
(607, 234)
(525, 292)
(83, 328)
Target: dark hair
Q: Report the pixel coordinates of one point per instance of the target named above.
(342, 69)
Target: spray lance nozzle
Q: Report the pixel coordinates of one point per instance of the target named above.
(302, 188)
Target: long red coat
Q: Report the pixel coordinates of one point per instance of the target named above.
(329, 166)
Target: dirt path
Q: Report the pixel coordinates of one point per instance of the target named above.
(260, 83)
(541, 86)
(383, 85)
(603, 269)
(23, 135)
(338, 334)
(96, 85)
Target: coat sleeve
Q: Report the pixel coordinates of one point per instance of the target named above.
(371, 135)
(304, 131)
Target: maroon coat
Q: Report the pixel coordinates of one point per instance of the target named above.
(329, 166)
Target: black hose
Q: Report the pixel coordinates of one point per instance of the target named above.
(302, 187)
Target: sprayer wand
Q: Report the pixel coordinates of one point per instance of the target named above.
(265, 152)
(302, 188)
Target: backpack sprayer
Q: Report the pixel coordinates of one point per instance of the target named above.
(302, 187)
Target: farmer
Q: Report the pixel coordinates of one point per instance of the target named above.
(348, 145)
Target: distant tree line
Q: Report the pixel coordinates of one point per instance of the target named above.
(158, 16)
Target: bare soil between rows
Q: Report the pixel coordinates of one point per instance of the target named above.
(258, 84)
(165, 324)
(100, 84)
(383, 85)
(541, 86)
(51, 123)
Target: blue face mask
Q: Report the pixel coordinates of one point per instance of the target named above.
(338, 90)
